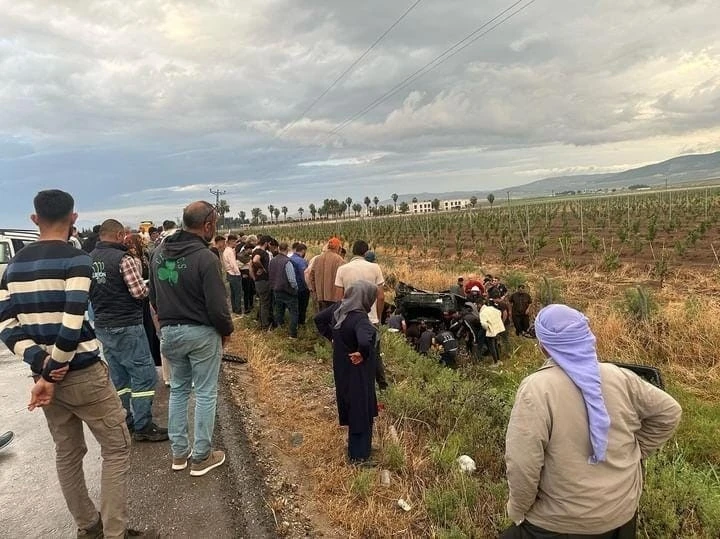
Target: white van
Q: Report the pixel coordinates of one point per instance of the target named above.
(11, 241)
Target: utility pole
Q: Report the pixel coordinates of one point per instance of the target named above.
(218, 193)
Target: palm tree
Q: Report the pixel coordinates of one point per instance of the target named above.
(255, 212)
(367, 204)
(263, 218)
(357, 208)
(348, 202)
(276, 213)
(300, 211)
(473, 201)
(491, 199)
(435, 204)
(375, 201)
(313, 210)
(271, 210)
(222, 209)
(242, 216)
(415, 200)
(404, 207)
(284, 212)
(394, 199)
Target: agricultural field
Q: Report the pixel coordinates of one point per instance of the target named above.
(645, 275)
(653, 230)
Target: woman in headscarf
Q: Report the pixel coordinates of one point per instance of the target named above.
(576, 437)
(347, 326)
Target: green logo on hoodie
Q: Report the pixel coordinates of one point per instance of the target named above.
(168, 272)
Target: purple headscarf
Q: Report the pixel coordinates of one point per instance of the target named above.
(565, 334)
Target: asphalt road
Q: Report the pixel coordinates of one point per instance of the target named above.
(226, 503)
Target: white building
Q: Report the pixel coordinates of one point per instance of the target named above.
(425, 206)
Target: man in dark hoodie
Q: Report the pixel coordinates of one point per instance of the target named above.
(188, 293)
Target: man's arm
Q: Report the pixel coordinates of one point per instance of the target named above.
(132, 275)
(527, 436)
(659, 413)
(77, 289)
(290, 274)
(215, 296)
(14, 336)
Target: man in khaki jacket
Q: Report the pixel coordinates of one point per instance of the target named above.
(576, 437)
(323, 272)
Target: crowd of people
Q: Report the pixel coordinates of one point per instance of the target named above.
(578, 430)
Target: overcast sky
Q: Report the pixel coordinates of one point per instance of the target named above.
(138, 107)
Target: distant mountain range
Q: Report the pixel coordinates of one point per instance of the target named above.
(686, 168)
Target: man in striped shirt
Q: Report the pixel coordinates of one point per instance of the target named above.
(43, 299)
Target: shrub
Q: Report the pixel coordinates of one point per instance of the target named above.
(550, 291)
(639, 304)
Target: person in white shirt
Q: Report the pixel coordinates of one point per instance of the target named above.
(492, 323)
(234, 277)
(359, 269)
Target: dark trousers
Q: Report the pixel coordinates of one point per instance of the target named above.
(281, 302)
(521, 323)
(492, 344)
(449, 359)
(360, 444)
(265, 296)
(248, 290)
(380, 365)
(236, 293)
(527, 530)
(303, 301)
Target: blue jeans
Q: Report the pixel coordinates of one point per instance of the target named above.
(236, 293)
(194, 353)
(283, 301)
(132, 371)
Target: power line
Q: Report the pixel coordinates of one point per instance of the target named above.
(490, 25)
(468, 40)
(349, 69)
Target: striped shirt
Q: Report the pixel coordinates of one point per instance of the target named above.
(43, 299)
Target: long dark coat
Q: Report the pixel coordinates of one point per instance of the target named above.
(354, 384)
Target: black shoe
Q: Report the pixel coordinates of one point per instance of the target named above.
(151, 433)
(6, 439)
(94, 532)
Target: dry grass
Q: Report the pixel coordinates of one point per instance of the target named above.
(294, 389)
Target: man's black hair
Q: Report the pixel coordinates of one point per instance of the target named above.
(360, 247)
(294, 246)
(167, 225)
(273, 242)
(220, 238)
(53, 205)
(231, 237)
(152, 230)
(96, 229)
(299, 247)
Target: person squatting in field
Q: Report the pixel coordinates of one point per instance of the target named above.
(577, 435)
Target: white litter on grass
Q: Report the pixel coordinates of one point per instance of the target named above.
(404, 505)
(394, 434)
(466, 464)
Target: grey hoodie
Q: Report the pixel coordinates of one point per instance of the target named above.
(186, 285)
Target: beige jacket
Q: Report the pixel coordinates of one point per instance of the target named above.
(322, 275)
(551, 483)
